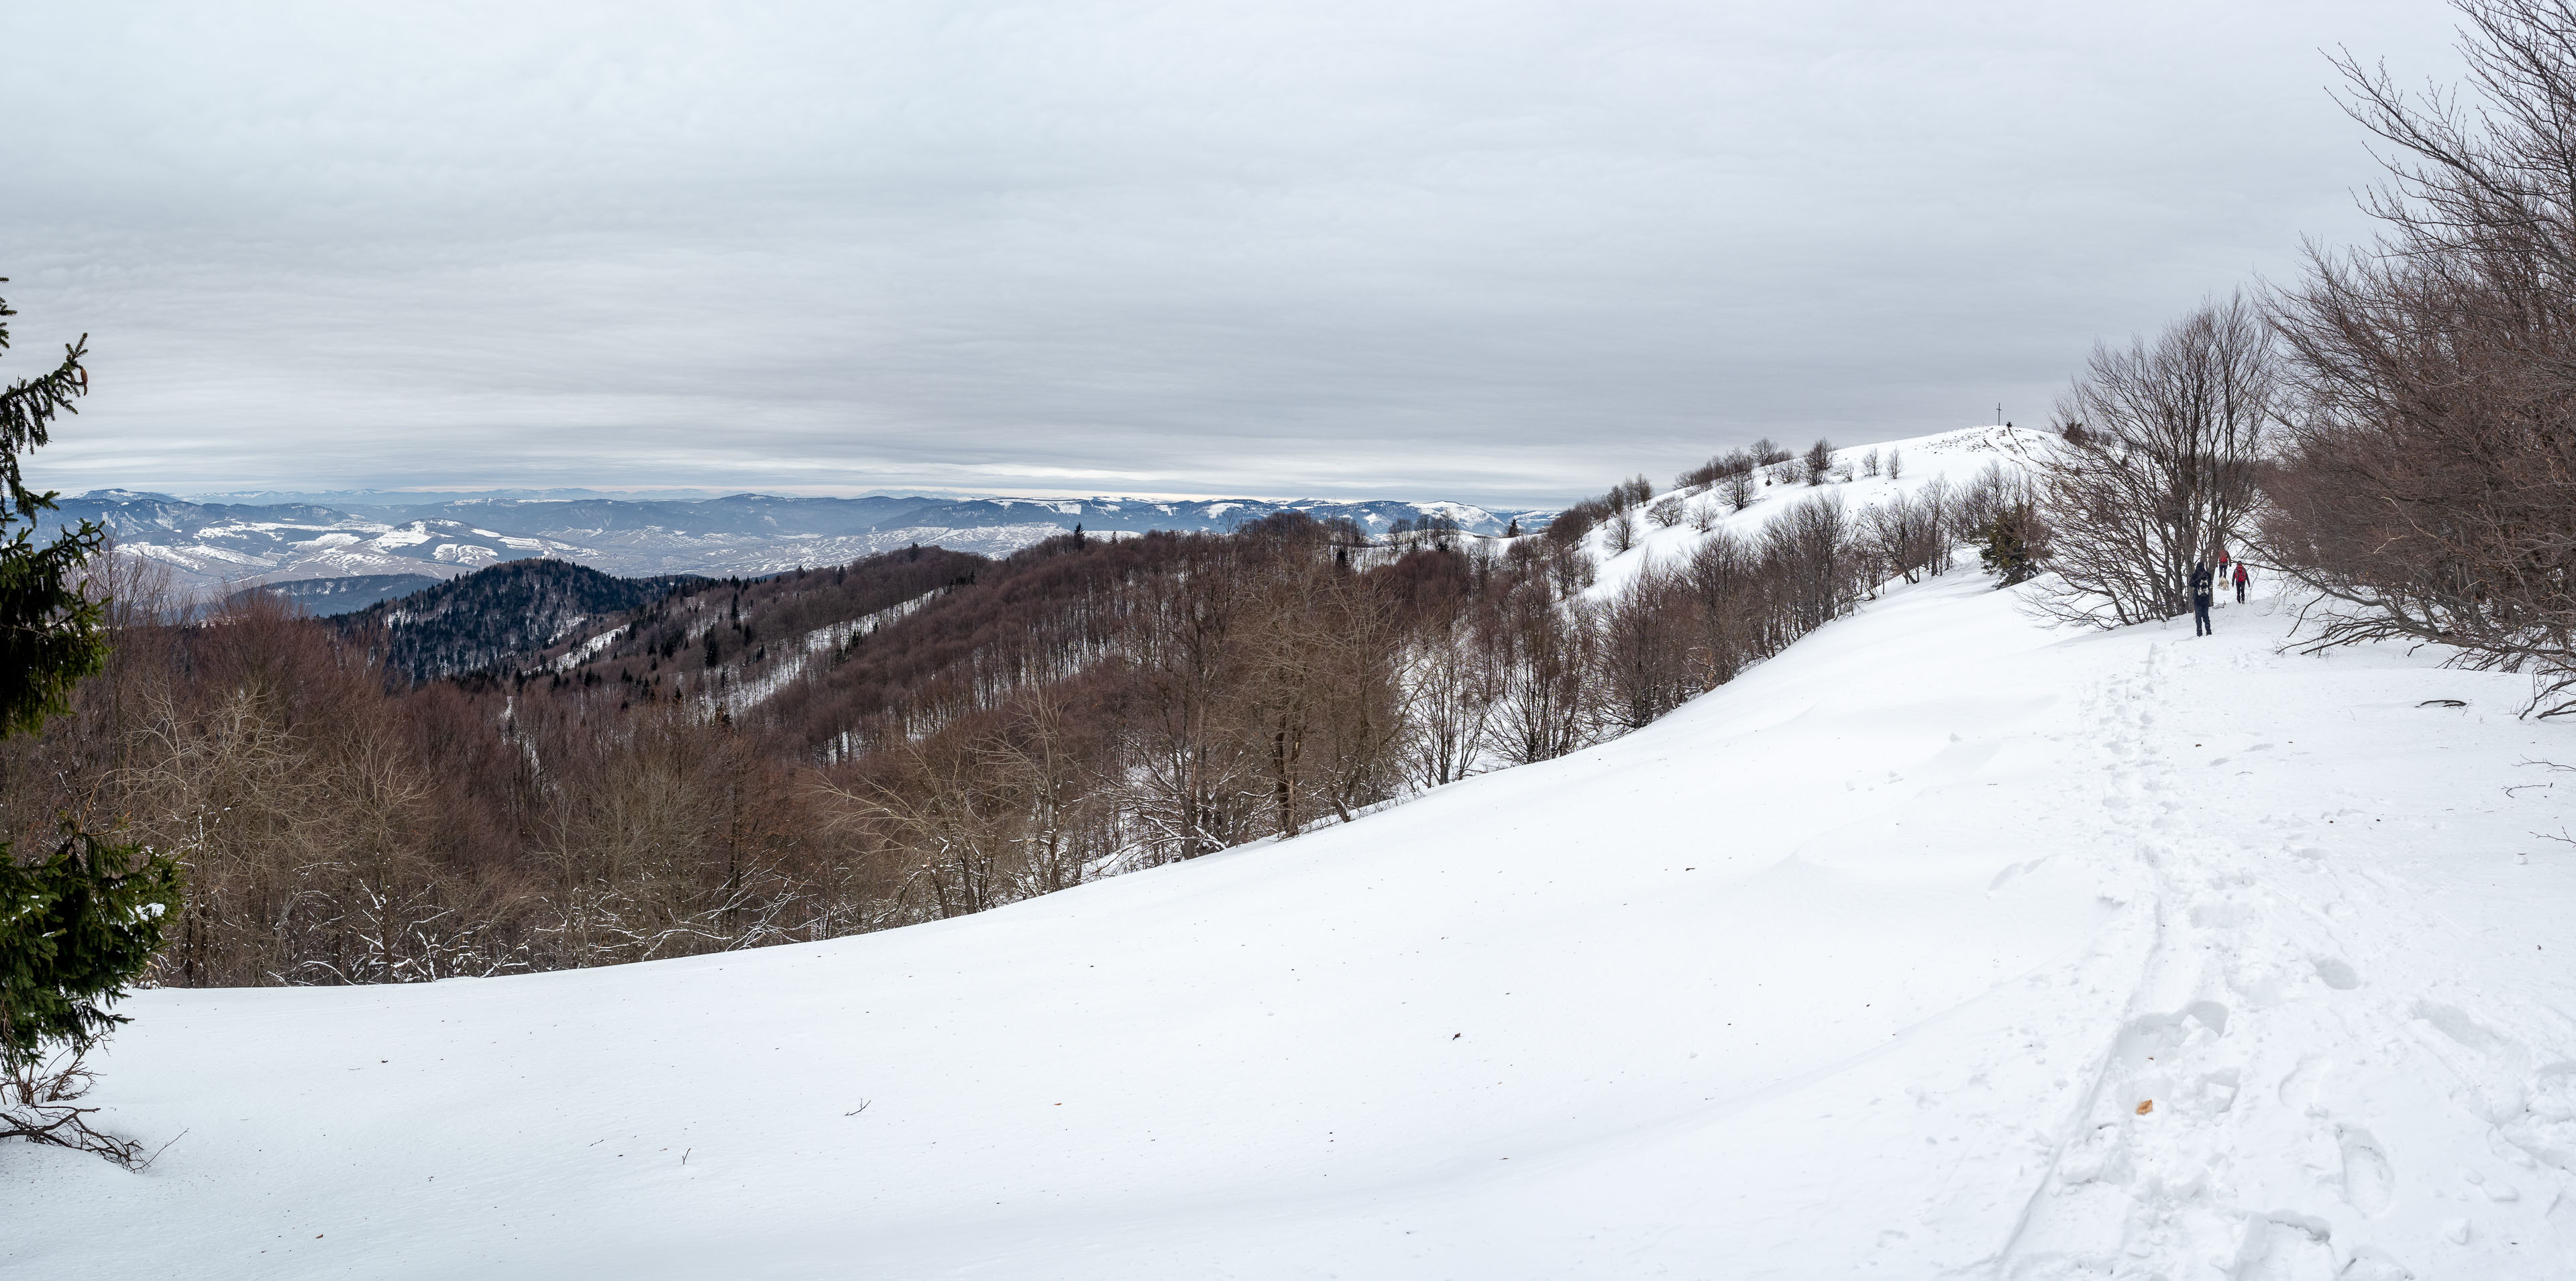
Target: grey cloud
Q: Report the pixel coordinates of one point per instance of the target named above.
(1492, 251)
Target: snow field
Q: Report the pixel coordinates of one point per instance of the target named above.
(1862, 965)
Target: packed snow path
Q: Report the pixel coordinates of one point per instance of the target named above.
(1942, 945)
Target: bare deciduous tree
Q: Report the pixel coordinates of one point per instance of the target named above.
(2156, 465)
(1645, 642)
(1454, 690)
(1819, 462)
(1729, 591)
(1740, 489)
(1809, 550)
(1620, 531)
(1908, 536)
(1545, 656)
(2428, 488)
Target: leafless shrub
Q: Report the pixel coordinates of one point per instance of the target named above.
(40, 1103)
(1666, 512)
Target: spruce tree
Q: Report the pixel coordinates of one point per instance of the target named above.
(80, 924)
(2013, 544)
(50, 632)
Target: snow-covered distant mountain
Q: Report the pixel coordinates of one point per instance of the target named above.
(216, 545)
(422, 498)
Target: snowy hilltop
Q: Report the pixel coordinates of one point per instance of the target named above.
(1946, 943)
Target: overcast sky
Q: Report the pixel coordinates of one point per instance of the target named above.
(1495, 251)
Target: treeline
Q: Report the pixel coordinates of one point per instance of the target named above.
(909, 737)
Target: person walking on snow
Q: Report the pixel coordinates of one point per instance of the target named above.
(2200, 593)
(2240, 582)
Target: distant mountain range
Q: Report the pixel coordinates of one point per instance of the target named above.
(216, 546)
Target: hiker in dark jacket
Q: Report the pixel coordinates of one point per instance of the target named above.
(2240, 582)
(2200, 593)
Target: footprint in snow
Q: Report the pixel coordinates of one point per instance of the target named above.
(2335, 974)
(2369, 1181)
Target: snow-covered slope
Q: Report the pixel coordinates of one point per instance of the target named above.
(1952, 457)
(1940, 945)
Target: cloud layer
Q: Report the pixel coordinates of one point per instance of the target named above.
(1495, 251)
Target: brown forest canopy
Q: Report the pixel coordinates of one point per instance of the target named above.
(910, 736)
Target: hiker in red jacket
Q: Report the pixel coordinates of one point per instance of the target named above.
(2240, 582)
